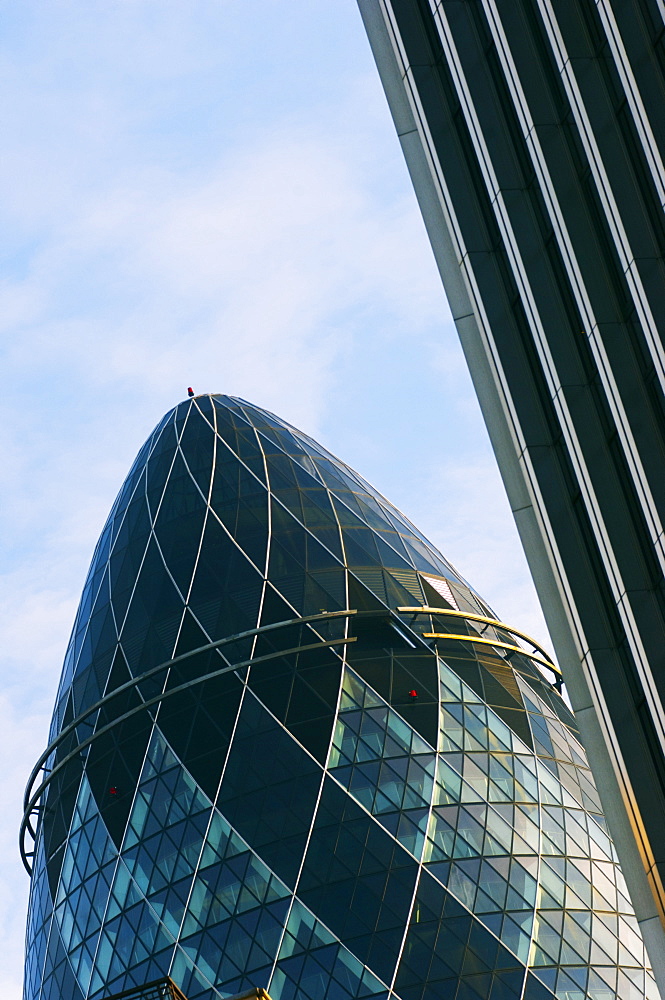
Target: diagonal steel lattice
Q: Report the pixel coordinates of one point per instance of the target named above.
(292, 747)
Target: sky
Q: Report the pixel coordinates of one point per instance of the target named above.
(207, 193)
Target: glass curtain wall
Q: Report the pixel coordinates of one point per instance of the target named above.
(293, 748)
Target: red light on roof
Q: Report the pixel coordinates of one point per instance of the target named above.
(413, 694)
(113, 790)
(190, 391)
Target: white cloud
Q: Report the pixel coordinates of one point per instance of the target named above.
(254, 280)
(176, 217)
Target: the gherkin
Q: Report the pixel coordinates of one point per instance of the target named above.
(293, 749)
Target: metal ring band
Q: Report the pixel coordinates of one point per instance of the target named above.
(31, 797)
(491, 642)
(26, 826)
(495, 623)
(227, 640)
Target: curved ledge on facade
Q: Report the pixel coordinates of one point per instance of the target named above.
(541, 656)
(33, 795)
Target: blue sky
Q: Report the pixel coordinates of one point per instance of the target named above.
(210, 194)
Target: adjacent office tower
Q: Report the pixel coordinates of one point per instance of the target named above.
(293, 749)
(535, 135)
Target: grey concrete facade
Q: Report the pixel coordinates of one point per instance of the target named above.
(535, 138)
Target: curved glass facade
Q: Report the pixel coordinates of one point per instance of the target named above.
(293, 749)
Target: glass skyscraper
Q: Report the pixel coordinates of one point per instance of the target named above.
(535, 138)
(293, 749)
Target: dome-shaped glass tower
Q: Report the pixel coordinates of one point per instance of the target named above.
(293, 749)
